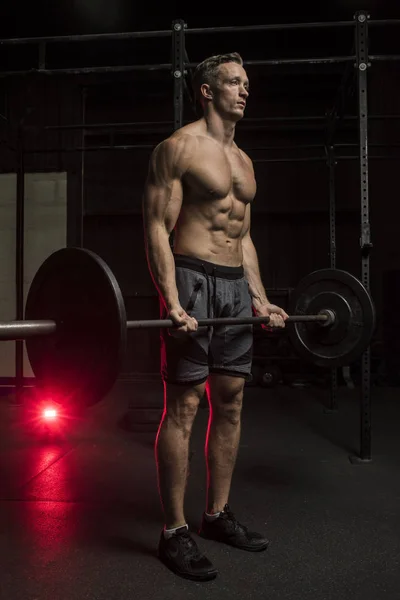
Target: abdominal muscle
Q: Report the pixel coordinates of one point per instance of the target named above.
(211, 230)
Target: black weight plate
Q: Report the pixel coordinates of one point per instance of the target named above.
(345, 341)
(80, 362)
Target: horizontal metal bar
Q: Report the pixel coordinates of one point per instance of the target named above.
(300, 159)
(90, 126)
(195, 30)
(245, 148)
(88, 70)
(150, 146)
(168, 324)
(168, 66)
(246, 120)
(373, 117)
(292, 147)
(90, 148)
(381, 117)
(300, 61)
(355, 145)
(104, 125)
(91, 37)
(321, 158)
(376, 157)
(20, 330)
(136, 214)
(165, 123)
(287, 118)
(271, 27)
(292, 61)
(312, 118)
(383, 22)
(313, 146)
(383, 157)
(382, 57)
(167, 32)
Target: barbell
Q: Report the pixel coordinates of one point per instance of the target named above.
(75, 326)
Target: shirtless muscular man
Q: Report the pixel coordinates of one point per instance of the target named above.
(201, 186)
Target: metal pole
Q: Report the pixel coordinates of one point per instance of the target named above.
(245, 121)
(272, 27)
(332, 207)
(19, 263)
(178, 73)
(167, 66)
(87, 70)
(383, 22)
(128, 147)
(20, 330)
(383, 57)
(322, 317)
(293, 61)
(91, 148)
(332, 254)
(106, 125)
(42, 56)
(365, 239)
(300, 159)
(82, 172)
(165, 33)
(178, 68)
(381, 157)
(91, 37)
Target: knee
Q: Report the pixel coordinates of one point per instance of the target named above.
(182, 412)
(228, 407)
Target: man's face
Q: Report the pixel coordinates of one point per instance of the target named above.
(231, 91)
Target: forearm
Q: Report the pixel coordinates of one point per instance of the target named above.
(252, 273)
(162, 265)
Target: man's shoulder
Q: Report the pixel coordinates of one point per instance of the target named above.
(179, 140)
(175, 153)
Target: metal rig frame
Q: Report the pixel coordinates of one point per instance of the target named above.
(179, 69)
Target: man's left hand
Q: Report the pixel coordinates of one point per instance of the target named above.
(277, 316)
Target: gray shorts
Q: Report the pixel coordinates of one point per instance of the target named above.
(208, 290)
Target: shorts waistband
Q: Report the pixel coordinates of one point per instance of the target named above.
(209, 268)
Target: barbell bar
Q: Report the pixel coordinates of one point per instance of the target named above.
(324, 317)
(75, 325)
(21, 330)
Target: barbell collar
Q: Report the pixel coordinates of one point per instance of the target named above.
(331, 317)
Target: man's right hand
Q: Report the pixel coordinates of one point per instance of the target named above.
(184, 324)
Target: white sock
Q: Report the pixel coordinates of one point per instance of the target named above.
(170, 532)
(212, 517)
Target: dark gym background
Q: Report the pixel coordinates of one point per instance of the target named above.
(291, 212)
(295, 113)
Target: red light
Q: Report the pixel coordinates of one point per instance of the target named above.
(50, 414)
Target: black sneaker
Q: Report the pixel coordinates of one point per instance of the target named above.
(181, 554)
(228, 530)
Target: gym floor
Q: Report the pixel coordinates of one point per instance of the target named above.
(80, 516)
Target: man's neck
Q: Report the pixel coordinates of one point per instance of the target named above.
(222, 130)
